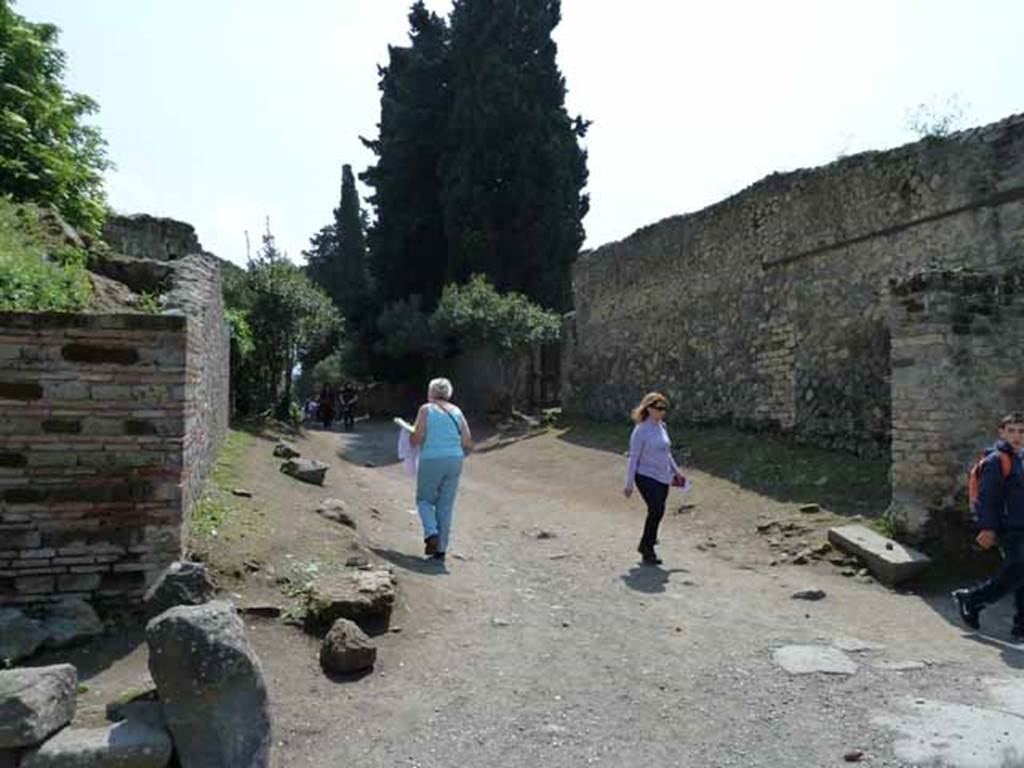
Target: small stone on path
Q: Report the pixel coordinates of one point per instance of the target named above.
(808, 594)
(854, 756)
(243, 492)
(809, 509)
(499, 622)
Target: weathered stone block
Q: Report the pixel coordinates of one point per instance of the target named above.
(79, 582)
(130, 744)
(20, 390)
(889, 561)
(35, 702)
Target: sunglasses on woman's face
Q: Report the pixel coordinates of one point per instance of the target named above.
(659, 407)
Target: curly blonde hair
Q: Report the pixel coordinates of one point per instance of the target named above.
(639, 413)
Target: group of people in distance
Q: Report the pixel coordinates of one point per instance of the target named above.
(333, 404)
(443, 436)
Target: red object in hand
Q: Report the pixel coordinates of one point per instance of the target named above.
(678, 481)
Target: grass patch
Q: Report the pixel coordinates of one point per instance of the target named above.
(214, 506)
(765, 464)
(38, 272)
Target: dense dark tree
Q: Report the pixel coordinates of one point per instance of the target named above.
(47, 154)
(479, 168)
(407, 241)
(337, 255)
(512, 169)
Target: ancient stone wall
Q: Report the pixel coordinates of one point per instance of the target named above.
(956, 370)
(767, 310)
(109, 423)
(91, 431)
(150, 237)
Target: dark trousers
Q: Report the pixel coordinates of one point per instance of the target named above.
(1009, 579)
(654, 495)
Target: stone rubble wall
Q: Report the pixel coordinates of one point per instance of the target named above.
(956, 370)
(143, 236)
(767, 310)
(109, 424)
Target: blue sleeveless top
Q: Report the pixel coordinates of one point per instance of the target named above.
(444, 438)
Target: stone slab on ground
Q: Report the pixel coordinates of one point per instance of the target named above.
(306, 470)
(363, 596)
(890, 561)
(808, 659)
(130, 744)
(35, 702)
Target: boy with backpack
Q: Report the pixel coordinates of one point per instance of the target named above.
(996, 487)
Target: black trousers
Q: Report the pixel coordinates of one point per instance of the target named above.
(1009, 579)
(654, 495)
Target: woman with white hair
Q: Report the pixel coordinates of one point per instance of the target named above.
(442, 433)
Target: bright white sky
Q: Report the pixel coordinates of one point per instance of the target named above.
(223, 112)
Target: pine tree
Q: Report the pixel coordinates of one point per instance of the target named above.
(512, 171)
(408, 250)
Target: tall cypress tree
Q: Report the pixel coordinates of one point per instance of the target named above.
(408, 250)
(337, 256)
(512, 170)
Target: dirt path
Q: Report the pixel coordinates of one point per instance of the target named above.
(563, 651)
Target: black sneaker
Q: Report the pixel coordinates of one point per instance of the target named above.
(967, 611)
(648, 557)
(430, 545)
(439, 556)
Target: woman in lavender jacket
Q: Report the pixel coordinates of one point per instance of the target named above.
(651, 467)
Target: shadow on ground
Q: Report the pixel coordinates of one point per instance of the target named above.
(768, 465)
(996, 621)
(431, 567)
(649, 579)
(96, 656)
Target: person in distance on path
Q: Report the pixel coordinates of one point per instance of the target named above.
(651, 467)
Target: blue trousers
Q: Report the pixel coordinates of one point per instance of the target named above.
(1009, 579)
(436, 483)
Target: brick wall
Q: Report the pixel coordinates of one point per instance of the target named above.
(109, 424)
(956, 369)
(767, 309)
(92, 414)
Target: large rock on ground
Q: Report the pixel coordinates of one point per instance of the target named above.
(70, 622)
(347, 649)
(20, 636)
(285, 451)
(307, 470)
(130, 744)
(363, 596)
(211, 686)
(182, 583)
(35, 702)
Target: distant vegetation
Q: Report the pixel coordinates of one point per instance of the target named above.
(37, 270)
(477, 196)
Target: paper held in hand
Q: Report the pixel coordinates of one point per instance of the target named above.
(400, 422)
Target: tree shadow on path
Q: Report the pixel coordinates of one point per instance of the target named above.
(649, 579)
(430, 567)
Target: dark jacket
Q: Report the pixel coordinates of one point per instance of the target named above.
(1001, 502)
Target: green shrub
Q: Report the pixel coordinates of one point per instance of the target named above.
(35, 274)
(475, 314)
